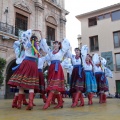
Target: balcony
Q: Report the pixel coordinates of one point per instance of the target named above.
(9, 29)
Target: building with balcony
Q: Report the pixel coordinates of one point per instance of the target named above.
(101, 32)
(49, 16)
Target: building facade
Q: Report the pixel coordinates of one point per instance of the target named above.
(101, 32)
(20, 15)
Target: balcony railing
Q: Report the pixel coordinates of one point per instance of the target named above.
(9, 29)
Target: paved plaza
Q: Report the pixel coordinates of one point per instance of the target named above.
(108, 111)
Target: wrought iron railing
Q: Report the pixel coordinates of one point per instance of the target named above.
(4, 27)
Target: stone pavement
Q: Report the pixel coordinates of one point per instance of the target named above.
(107, 111)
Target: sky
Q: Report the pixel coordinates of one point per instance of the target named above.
(77, 7)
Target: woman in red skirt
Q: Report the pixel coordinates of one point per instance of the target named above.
(77, 86)
(99, 70)
(20, 55)
(55, 72)
(26, 76)
(41, 62)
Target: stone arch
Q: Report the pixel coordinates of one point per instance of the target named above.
(51, 19)
(11, 62)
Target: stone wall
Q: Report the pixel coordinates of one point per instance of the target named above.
(40, 13)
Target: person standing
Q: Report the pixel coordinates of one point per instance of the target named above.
(102, 85)
(77, 85)
(26, 76)
(55, 72)
(20, 55)
(90, 80)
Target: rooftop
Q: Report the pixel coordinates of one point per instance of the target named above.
(98, 10)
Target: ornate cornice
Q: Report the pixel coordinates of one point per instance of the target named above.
(37, 4)
(23, 6)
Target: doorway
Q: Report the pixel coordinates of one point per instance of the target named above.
(118, 86)
(9, 72)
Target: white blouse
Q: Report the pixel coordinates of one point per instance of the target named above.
(73, 59)
(97, 69)
(59, 55)
(28, 49)
(17, 51)
(85, 65)
(41, 62)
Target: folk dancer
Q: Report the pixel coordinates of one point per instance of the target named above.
(90, 80)
(26, 76)
(55, 72)
(102, 85)
(20, 55)
(77, 85)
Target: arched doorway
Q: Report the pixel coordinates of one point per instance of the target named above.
(9, 72)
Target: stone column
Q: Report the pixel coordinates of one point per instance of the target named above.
(38, 14)
(62, 26)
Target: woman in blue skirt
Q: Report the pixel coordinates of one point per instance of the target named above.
(90, 80)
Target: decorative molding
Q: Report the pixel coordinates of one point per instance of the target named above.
(63, 20)
(37, 4)
(23, 6)
(52, 20)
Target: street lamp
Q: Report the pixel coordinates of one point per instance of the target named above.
(6, 12)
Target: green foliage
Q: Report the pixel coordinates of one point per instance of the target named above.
(2, 66)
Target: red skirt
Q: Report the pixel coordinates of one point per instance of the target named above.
(55, 79)
(26, 76)
(101, 84)
(41, 83)
(77, 83)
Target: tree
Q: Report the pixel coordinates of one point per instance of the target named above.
(2, 66)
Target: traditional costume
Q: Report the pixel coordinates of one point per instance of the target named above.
(90, 80)
(55, 72)
(102, 85)
(77, 85)
(41, 62)
(26, 76)
(20, 55)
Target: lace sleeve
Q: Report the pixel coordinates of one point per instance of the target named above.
(65, 46)
(44, 46)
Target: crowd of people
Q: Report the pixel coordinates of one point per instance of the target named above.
(88, 73)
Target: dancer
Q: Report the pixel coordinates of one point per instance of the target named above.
(26, 76)
(102, 85)
(20, 55)
(77, 86)
(55, 72)
(41, 62)
(90, 80)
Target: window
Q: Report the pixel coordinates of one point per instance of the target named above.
(21, 22)
(117, 56)
(116, 15)
(54, 1)
(50, 35)
(94, 46)
(92, 21)
(107, 15)
(101, 17)
(116, 36)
